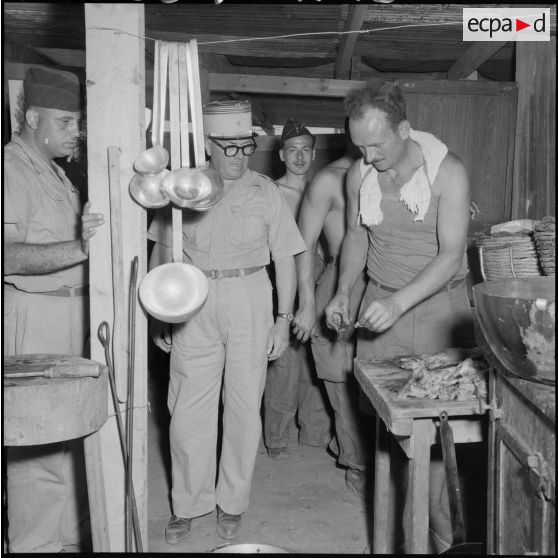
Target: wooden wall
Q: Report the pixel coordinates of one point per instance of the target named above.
(534, 184)
(475, 119)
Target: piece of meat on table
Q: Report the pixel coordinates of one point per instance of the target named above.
(465, 381)
(441, 359)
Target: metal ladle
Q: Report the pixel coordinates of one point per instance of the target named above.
(196, 189)
(175, 291)
(153, 160)
(144, 187)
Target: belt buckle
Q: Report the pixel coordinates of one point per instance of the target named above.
(216, 274)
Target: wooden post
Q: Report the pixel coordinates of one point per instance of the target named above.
(115, 66)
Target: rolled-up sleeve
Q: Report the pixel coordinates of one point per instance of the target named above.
(284, 238)
(17, 202)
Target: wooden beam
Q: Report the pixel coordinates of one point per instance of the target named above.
(64, 56)
(476, 55)
(353, 23)
(116, 110)
(271, 85)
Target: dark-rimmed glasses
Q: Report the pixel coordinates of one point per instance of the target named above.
(232, 150)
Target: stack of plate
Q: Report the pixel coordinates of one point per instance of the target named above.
(545, 242)
(508, 255)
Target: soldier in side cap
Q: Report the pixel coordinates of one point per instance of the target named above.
(291, 389)
(46, 238)
(229, 341)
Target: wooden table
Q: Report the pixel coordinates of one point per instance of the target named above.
(39, 410)
(413, 423)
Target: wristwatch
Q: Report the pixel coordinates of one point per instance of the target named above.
(288, 316)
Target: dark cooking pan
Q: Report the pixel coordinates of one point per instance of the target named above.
(459, 546)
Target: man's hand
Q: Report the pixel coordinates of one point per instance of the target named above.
(304, 323)
(161, 334)
(278, 339)
(380, 315)
(89, 224)
(337, 313)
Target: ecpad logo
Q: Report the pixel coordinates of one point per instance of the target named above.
(506, 24)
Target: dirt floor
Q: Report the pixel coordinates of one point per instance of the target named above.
(299, 504)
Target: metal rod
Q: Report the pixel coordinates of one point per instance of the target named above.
(130, 399)
(104, 335)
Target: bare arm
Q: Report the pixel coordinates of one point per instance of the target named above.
(452, 224)
(285, 280)
(313, 211)
(39, 259)
(353, 255)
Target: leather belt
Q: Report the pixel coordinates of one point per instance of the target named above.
(228, 273)
(67, 291)
(62, 291)
(449, 286)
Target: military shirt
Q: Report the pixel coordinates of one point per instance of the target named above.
(44, 207)
(251, 222)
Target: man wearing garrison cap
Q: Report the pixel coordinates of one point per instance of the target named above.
(229, 341)
(291, 389)
(46, 235)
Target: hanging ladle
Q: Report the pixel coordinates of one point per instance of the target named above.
(153, 160)
(174, 292)
(145, 187)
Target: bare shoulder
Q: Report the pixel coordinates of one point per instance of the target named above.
(328, 181)
(354, 177)
(452, 175)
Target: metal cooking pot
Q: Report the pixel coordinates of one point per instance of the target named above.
(173, 292)
(147, 189)
(516, 318)
(193, 188)
(250, 548)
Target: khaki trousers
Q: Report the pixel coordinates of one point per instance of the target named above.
(46, 488)
(292, 389)
(222, 350)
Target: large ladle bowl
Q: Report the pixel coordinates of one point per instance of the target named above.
(173, 292)
(193, 188)
(152, 160)
(147, 190)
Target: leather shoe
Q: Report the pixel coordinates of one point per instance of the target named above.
(228, 525)
(177, 529)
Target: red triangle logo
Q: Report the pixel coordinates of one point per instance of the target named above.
(519, 24)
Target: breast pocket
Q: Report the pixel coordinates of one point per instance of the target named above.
(60, 214)
(249, 224)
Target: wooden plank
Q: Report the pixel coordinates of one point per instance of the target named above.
(353, 22)
(416, 508)
(93, 452)
(474, 57)
(243, 83)
(534, 161)
(382, 480)
(116, 98)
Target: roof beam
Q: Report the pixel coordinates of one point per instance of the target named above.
(476, 55)
(304, 87)
(354, 21)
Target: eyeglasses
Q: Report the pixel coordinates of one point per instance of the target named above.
(232, 150)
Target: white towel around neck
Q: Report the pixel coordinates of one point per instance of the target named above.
(415, 194)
